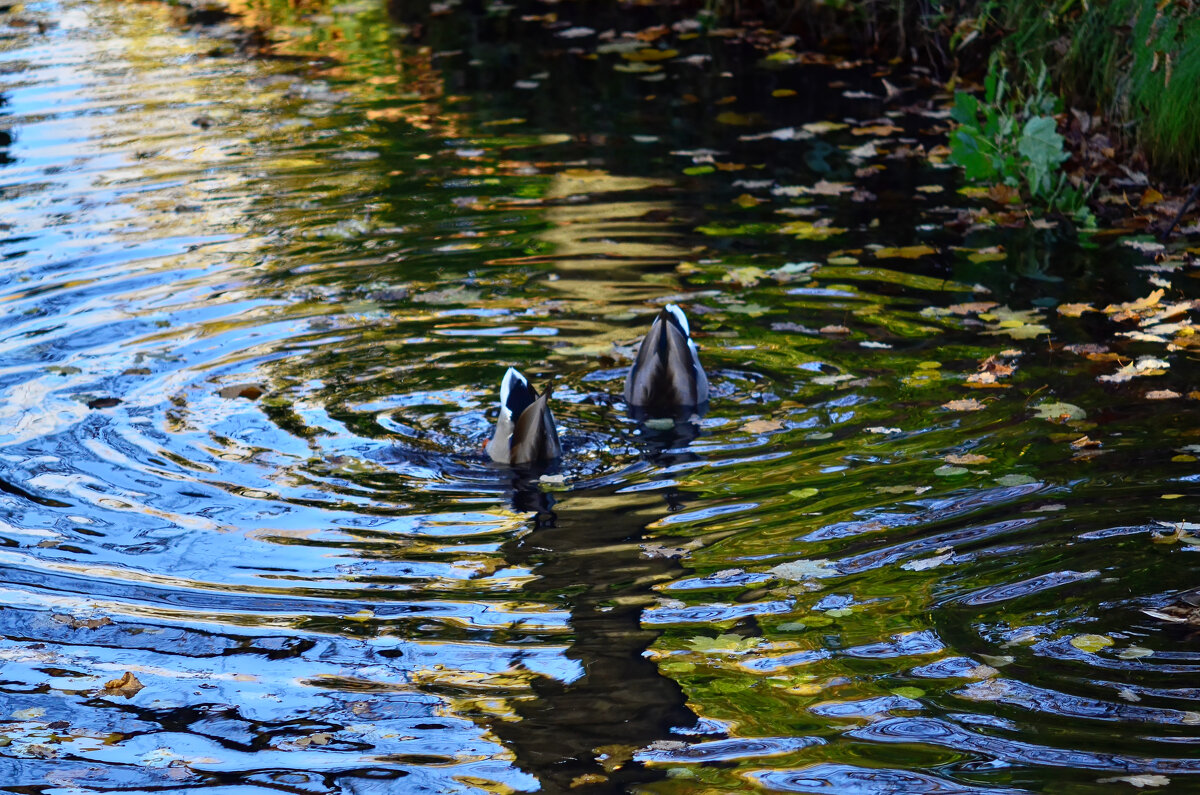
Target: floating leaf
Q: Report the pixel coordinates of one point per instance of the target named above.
(947, 471)
(903, 252)
(1134, 653)
(970, 404)
(803, 494)
(1091, 643)
(725, 644)
(128, 686)
(649, 54)
(820, 127)
(809, 230)
(927, 563)
(967, 458)
(762, 426)
(1059, 412)
(800, 570)
(908, 692)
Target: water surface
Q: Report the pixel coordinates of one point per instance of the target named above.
(262, 277)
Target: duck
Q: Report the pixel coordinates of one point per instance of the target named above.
(666, 375)
(525, 432)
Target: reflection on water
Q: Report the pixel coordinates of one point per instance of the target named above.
(262, 278)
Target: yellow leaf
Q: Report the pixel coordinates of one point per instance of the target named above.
(904, 252)
(649, 54)
(808, 230)
(1091, 643)
(819, 127)
(1075, 310)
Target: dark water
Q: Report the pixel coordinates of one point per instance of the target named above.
(302, 272)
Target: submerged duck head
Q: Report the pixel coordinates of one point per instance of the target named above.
(666, 375)
(525, 432)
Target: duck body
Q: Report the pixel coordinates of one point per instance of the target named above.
(525, 432)
(666, 376)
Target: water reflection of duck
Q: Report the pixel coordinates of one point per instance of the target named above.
(1185, 609)
(666, 376)
(525, 432)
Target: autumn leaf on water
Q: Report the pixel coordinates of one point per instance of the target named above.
(967, 458)
(1131, 309)
(903, 252)
(1059, 412)
(971, 308)
(991, 370)
(1091, 643)
(128, 686)
(821, 127)
(762, 426)
(876, 129)
(824, 188)
(1145, 366)
(811, 230)
(970, 404)
(1162, 394)
(1075, 310)
(725, 644)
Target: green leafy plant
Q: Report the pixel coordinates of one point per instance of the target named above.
(1004, 140)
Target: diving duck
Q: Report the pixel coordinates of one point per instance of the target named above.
(666, 375)
(525, 432)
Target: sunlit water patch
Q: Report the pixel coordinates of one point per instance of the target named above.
(260, 287)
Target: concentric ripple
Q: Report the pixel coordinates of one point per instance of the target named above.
(262, 276)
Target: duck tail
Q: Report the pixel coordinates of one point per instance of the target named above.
(534, 438)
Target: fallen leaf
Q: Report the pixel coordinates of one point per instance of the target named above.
(903, 252)
(820, 127)
(1091, 643)
(967, 458)
(128, 686)
(834, 330)
(762, 426)
(970, 404)
(81, 623)
(805, 570)
(247, 391)
(1162, 394)
(727, 643)
(876, 130)
(1075, 310)
(1059, 412)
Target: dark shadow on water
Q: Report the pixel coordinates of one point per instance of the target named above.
(585, 554)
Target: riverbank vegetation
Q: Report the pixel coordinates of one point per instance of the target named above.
(1120, 79)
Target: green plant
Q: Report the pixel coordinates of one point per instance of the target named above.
(1004, 140)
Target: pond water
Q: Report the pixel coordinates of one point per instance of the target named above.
(262, 277)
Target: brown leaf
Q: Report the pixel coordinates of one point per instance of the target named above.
(834, 330)
(967, 458)
(128, 686)
(1083, 442)
(248, 391)
(762, 426)
(877, 130)
(81, 623)
(971, 308)
(1075, 310)
(1162, 394)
